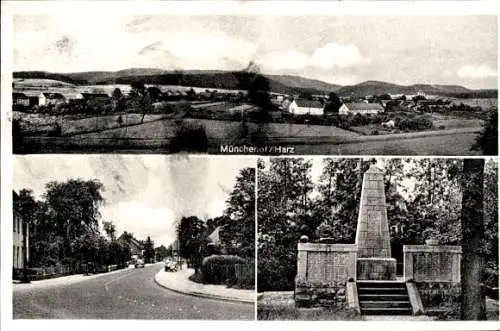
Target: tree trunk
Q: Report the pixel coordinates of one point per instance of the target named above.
(473, 305)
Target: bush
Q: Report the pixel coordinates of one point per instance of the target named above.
(56, 131)
(229, 270)
(190, 138)
(487, 141)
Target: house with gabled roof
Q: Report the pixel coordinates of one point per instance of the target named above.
(305, 106)
(99, 97)
(136, 247)
(20, 99)
(46, 98)
(360, 108)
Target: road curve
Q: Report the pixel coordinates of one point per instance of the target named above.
(130, 294)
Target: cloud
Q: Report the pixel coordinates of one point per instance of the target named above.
(286, 60)
(142, 220)
(106, 45)
(335, 55)
(481, 71)
(330, 56)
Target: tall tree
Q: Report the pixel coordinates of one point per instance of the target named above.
(149, 250)
(191, 241)
(161, 252)
(473, 304)
(140, 98)
(284, 208)
(338, 203)
(333, 103)
(239, 230)
(73, 209)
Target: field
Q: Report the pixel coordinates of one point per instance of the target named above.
(305, 131)
(445, 145)
(484, 103)
(78, 124)
(452, 122)
(33, 87)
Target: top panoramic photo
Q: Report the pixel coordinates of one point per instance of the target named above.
(255, 84)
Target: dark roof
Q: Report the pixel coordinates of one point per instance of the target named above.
(18, 95)
(364, 106)
(53, 95)
(304, 103)
(94, 95)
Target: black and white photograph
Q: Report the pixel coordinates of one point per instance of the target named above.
(255, 84)
(377, 239)
(214, 165)
(133, 237)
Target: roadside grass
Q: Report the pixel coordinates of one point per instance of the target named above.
(269, 312)
(280, 305)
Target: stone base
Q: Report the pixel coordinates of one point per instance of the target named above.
(313, 295)
(376, 268)
(433, 294)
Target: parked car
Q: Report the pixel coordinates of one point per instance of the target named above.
(139, 263)
(170, 266)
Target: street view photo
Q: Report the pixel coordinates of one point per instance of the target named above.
(133, 237)
(256, 84)
(383, 239)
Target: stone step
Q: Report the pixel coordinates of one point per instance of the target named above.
(383, 297)
(385, 304)
(386, 284)
(382, 290)
(386, 311)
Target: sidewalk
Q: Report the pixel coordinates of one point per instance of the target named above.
(179, 282)
(64, 280)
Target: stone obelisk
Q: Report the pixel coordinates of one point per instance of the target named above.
(374, 260)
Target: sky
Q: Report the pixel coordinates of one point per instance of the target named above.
(144, 195)
(402, 49)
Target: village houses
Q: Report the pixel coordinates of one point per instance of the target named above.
(304, 106)
(45, 99)
(20, 99)
(96, 97)
(361, 108)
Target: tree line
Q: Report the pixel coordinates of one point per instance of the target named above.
(65, 227)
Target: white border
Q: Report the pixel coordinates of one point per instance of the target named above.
(421, 7)
(9, 8)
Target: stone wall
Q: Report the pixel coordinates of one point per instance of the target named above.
(322, 273)
(435, 271)
(432, 264)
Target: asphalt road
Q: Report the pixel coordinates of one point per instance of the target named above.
(129, 294)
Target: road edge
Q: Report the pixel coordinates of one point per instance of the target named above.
(202, 295)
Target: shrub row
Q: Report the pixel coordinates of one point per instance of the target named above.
(229, 270)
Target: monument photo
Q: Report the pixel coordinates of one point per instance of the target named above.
(369, 239)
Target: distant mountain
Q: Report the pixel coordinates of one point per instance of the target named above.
(197, 78)
(301, 82)
(377, 88)
(48, 75)
(216, 79)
